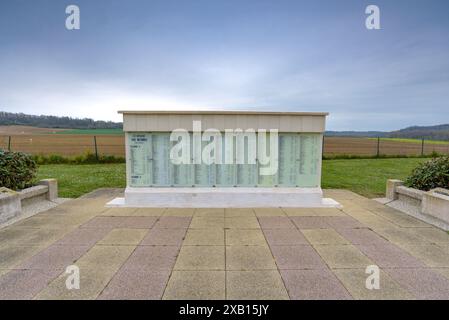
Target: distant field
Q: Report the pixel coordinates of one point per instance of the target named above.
(419, 141)
(364, 176)
(27, 130)
(334, 146)
(92, 131)
(67, 142)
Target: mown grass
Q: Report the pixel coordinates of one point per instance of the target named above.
(364, 176)
(76, 180)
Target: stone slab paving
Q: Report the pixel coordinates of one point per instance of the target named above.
(216, 253)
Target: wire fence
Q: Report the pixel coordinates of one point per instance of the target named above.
(114, 145)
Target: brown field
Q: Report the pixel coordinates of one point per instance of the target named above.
(26, 130)
(72, 145)
(65, 144)
(368, 147)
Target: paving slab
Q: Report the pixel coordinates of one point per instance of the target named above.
(355, 282)
(310, 222)
(40, 221)
(299, 212)
(119, 212)
(422, 283)
(101, 222)
(239, 212)
(14, 234)
(201, 258)
(196, 285)
(338, 223)
(138, 222)
(432, 235)
(255, 285)
(136, 285)
(324, 236)
(179, 212)
(207, 222)
(284, 237)
(148, 212)
(13, 255)
(343, 256)
(399, 218)
(23, 284)
(388, 255)
(152, 258)
(54, 257)
(124, 236)
(164, 237)
(401, 236)
(172, 222)
(328, 212)
(92, 283)
(241, 223)
(362, 236)
(276, 223)
(209, 212)
(249, 258)
(375, 222)
(248, 237)
(44, 237)
(205, 237)
(269, 212)
(297, 257)
(443, 271)
(103, 257)
(83, 237)
(432, 255)
(316, 284)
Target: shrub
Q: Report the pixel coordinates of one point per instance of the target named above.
(86, 158)
(17, 170)
(430, 174)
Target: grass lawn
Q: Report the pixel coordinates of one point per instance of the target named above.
(76, 180)
(364, 176)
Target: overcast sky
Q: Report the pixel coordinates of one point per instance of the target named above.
(211, 54)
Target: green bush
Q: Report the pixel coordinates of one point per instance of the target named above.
(17, 170)
(430, 174)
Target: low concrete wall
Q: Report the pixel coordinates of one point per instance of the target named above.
(12, 203)
(431, 207)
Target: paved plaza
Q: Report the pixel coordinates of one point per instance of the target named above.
(258, 253)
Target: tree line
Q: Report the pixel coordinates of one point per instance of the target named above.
(43, 121)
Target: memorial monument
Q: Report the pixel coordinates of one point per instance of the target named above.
(223, 159)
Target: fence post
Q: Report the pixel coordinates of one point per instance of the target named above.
(96, 147)
(9, 143)
(378, 147)
(422, 147)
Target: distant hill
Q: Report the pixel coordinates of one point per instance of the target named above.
(438, 132)
(21, 119)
